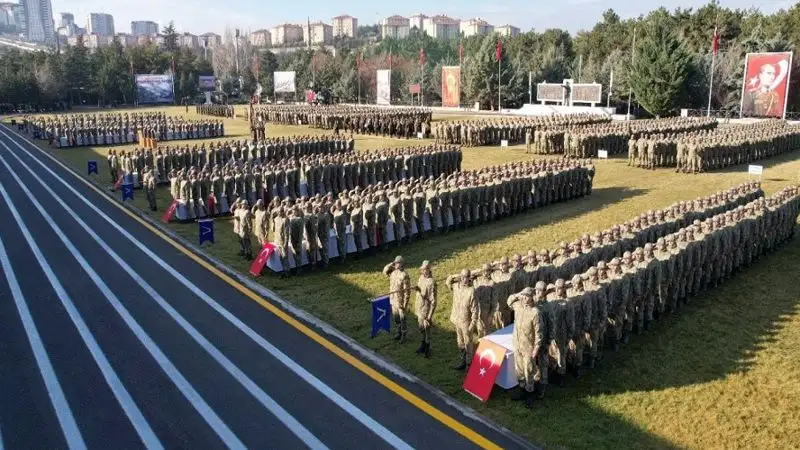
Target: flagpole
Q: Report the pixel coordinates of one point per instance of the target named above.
(711, 75)
(610, 86)
(530, 87)
(630, 88)
(498, 83)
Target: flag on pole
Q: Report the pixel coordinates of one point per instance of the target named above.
(486, 364)
(92, 167)
(205, 230)
(498, 50)
(421, 57)
(715, 42)
(263, 256)
(119, 182)
(127, 191)
(170, 211)
(381, 315)
(460, 53)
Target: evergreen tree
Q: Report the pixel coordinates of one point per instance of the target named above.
(659, 70)
(170, 37)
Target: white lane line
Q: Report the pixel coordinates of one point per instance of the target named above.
(123, 397)
(381, 431)
(137, 419)
(63, 412)
(270, 404)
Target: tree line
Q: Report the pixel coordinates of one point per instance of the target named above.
(670, 70)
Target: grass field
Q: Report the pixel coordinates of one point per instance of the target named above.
(723, 374)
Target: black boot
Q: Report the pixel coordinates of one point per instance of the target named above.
(421, 348)
(428, 350)
(530, 397)
(518, 394)
(540, 391)
(463, 361)
(397, 336)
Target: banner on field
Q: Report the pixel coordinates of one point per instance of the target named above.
(766, 84)
(585, 93)
(154, 89)
(207, 83)
(384, 87)
(549, 92)
(284, 81)
(451, 86)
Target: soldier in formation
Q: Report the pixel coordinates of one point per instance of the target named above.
(77, 130)
(392, 122)
(479, 132)
(399, 295)
(426, 306)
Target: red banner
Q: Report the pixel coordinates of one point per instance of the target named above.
(170, 212)
(414, 89)
(310, 96)
(211, 203)
(766, 84)
(119, 182)
(486, 364)
(498, 50)
(263, 256)
(451, 86)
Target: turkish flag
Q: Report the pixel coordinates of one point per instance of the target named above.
(170, 211)
(498, 50)
(263, 256)
(211, 202)
(486, 364)
(119, 182)
(715, 42)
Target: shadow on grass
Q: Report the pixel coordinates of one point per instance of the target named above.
(765, 163)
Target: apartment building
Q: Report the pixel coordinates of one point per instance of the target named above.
(317, 33)
(475, 27)
(345, 26)
(287, 33)
(260, 38)
(507, 30)
(396, 27)
(442, 27)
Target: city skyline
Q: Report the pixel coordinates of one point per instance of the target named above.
(205, 16)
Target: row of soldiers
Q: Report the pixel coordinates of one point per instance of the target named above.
(392, 122)
(227, 111)
(514, 129)
(78, 131)
(293, 178)
(708, 150)
(495, 282)
(165, 159)
(615, 137)
(578, 311)
(383, 213)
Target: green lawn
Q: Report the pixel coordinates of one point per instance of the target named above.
(725, 373)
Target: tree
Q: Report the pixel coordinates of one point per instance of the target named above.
(170, 37)
(659, 70)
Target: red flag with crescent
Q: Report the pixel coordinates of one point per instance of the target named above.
(498, 49)
(715, 42)
(263, 256)
(170, 211)
(118, 183)
(486, 364)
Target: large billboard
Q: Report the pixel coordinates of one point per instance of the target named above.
(154, 88)
(586, 92)
(451, 86)
(207, 83)
(766, 84)
(384, 87)
(549, 92)
(284, 82)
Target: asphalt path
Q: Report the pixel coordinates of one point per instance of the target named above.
(111, 338)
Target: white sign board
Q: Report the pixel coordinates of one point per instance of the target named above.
(602, 154)
(419, 135)
(504, 143)
(284, 81)
(755, 170)
(384, 87)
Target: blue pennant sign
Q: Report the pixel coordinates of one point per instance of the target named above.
(381, 315)
(91, 166)
(127, 191)
(206, 230)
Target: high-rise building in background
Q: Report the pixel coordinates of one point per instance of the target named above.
(39, 26)
(8, 20)
(345, 26)
(144, 28)
(101, 24)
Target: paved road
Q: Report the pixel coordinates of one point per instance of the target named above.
(112, 338)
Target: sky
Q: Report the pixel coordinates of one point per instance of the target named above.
(200, 16)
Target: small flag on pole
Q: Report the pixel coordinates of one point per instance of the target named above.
(119, 182)
(127, 191)
(381, 315)
(498, 49)
(91, 166)
(715, 42)
(206, 230)
(421, 57)
(169, 212)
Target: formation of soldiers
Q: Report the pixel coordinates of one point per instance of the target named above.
(165, 159)
(564, 313)
(614, 137)
(704, 150)
(195, 186)
(227, 111)
(514, 129)
(372, 217)
(373, 120)
(77, 130)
